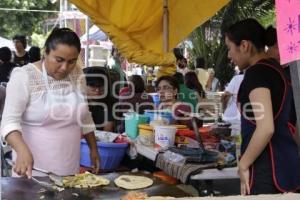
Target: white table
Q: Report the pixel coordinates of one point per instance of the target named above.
(207, 174)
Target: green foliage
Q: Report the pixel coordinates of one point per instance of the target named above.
(207, 39)
(38, 39)
(21, 22)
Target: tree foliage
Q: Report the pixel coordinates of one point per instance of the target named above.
(22, 22)
(208, 41)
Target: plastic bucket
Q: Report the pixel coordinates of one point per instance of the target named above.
(164, 136)
(158, 115)
(132, 120)
(111, 154)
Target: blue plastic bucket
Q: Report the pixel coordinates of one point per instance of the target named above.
(111, 154)
(156, 114)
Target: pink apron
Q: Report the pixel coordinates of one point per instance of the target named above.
(51, 129)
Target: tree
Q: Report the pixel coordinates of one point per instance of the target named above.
(208, 41)
(22, 22)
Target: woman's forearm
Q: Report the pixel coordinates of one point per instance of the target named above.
(261, 103)
(91, 140)
(15, 140)
(258, 143)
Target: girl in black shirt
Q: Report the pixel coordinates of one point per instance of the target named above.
(270, 161)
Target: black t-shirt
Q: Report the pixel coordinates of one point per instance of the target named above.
(5, 70)
(101, 112)
(20, 61)
(262, 76)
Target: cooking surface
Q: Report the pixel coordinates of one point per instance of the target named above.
(25, 189)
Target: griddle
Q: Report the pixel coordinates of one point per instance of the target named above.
(25, 189)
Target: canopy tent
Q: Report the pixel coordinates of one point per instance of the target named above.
(94, 34)
(6, 43)
(136, 27)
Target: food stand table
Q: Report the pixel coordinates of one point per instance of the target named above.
(207, 174)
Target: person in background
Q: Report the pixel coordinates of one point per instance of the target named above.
(45, 112)
(167, 88)
(5, 65)
(229, 101)
(186, 94)
(115, 63)
(135, 99)
(2, 99)
(150, 76)
(100, 98)
(20, 56)
(213, 83)
(181, 61)
(34, 54)
(201, 72)
(192, 82)
(270, 159)
(182, 66)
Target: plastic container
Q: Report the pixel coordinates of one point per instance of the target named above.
(132, 120)
(158, 115)
(146, 137)
(164, 136)
(111, 154)
(155, 98)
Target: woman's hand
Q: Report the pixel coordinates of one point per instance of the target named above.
(24, 162)
(94, 154)
(245, 179)
(95, 160)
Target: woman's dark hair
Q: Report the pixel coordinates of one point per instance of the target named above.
(248, 29)
(138, 82)
(170, 80)
(62, 36)
(5, 54)
(271, 36)
(200, 62)
(94, 76)
(178, 77)
(34, 54)
(178, 53)
(191, 81)
(113, 49)
(22, 39)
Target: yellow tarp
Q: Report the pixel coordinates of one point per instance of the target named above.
(136, 26)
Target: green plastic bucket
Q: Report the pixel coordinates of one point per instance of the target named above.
(132, 120)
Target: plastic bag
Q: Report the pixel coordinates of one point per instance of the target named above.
(132, 151)
(174, 158)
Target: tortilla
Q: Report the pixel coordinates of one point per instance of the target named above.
(84, 180)
(130, 182)
(143, 196)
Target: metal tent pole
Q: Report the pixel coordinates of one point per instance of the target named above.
(61, 5)
(87, 30)
(165, 26)
(295, 76)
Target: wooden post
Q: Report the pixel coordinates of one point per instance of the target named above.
(165, 27)
(295, 76)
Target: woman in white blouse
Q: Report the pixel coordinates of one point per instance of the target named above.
(45, 111)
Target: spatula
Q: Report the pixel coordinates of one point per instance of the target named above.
(53, 177)
(58, 180)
